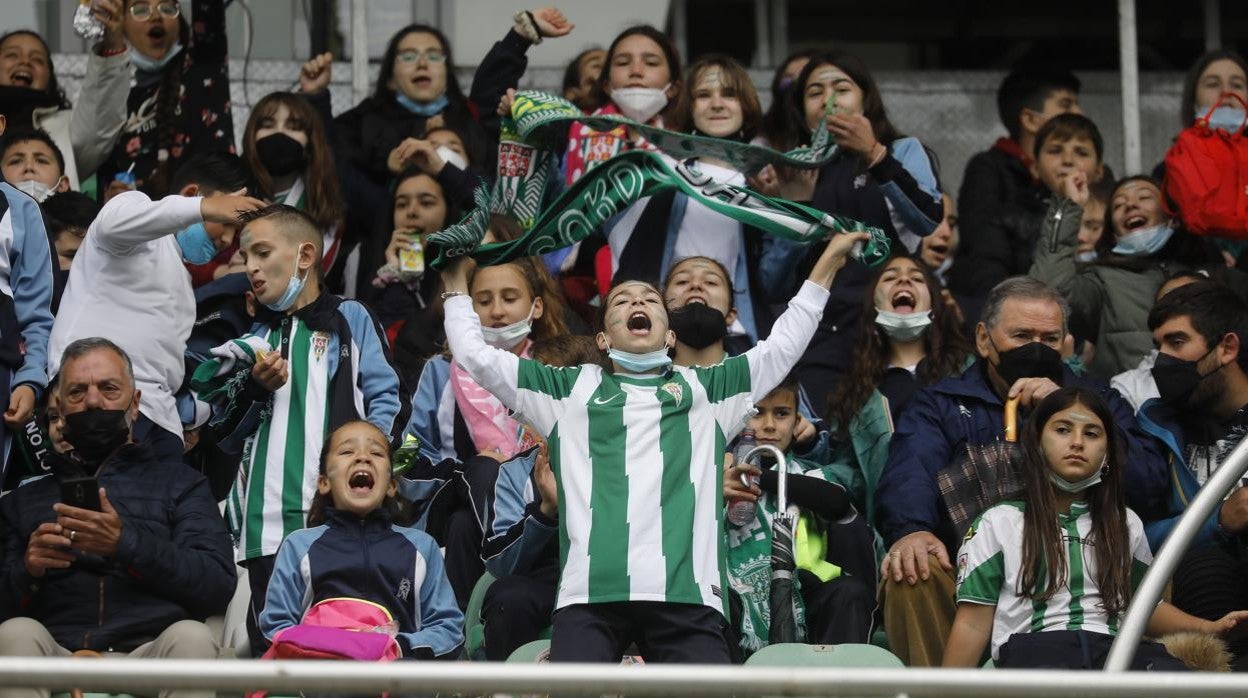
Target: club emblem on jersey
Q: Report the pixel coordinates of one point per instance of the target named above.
(674, 390)
(405, 588)
(962, 565)
(320, 342)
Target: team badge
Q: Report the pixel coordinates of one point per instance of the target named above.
(674, 390)
(320, 342)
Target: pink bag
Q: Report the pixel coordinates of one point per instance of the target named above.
(338, 628)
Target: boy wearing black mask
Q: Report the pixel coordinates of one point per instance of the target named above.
(698, 294)
(1202, 415)
(1023, 327)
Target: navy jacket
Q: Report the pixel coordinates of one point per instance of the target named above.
(941, 420)
(371, 559)
(1181, 484)
(175, 560)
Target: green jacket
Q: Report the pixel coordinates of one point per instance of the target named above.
(1109, 303)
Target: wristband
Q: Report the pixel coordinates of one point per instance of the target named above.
(526, 26)
(110, 52)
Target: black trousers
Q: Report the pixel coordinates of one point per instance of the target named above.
(1077, 649)
(664, 633)
(837, 611)
(462, 540)
(259, 570)
(1211, 582)
(517, 609)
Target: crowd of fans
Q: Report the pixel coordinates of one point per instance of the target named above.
(229, 361)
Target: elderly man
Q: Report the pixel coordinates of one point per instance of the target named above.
(136, 574)
(1018, 343)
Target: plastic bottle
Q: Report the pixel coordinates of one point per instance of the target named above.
(741, 511)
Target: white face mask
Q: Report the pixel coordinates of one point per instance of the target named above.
(1078, 486)
(902, 327)
(37, 190)
(1086, 257)
(1145, 241)
(451, 157)
(1227, 118)
(508, 337)
(640, 103)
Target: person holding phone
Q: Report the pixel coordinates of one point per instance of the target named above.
(135, 560)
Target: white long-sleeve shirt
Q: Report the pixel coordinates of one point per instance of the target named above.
(127, 284)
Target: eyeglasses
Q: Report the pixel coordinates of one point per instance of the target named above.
(433, 55)
(142, 11)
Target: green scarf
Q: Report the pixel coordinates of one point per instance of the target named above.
(531, 136)
(542, 119)
(613, 186)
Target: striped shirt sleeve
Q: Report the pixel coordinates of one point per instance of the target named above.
(981, 564)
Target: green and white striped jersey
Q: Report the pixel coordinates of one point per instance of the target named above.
(990, 565)
(277, 476)
(638, 458)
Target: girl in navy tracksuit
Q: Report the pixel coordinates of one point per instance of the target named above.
(353, 550)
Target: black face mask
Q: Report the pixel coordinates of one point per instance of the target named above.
(697, 325)
(280, 154)
(1177, 379)
(1032, 360)
(95, 433)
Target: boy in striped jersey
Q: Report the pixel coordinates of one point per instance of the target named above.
(330, 364)
(637, 453)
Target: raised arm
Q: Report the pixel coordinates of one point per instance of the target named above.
(131, 218)
(771, 359)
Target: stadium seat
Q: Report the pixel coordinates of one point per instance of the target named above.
(802, 655)
(528, 654)
(474, 629)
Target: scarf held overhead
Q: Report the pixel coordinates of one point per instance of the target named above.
(610, 188)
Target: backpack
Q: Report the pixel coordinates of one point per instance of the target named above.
(339, 628)
(1206, 182)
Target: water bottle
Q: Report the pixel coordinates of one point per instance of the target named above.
(741, 511)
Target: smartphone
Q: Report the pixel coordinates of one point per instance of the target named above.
(81, 492)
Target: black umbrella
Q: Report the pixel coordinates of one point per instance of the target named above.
(783, 626)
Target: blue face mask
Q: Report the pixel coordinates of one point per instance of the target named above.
(422, 108)
(293, 289)
(197, 247)
(1229, 119)
(1145, 241)
(640, 363)
(148, 64)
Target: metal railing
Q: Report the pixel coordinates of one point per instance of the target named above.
(1159, 573)
(484, 678)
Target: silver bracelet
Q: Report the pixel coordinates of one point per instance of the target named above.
(452, 294)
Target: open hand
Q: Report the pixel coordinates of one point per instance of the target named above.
(226, 209)
(907, 559)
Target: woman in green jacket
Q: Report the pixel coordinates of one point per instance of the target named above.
(910, 338)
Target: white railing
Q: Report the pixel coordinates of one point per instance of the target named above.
(483, 678)
(1172, 551)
